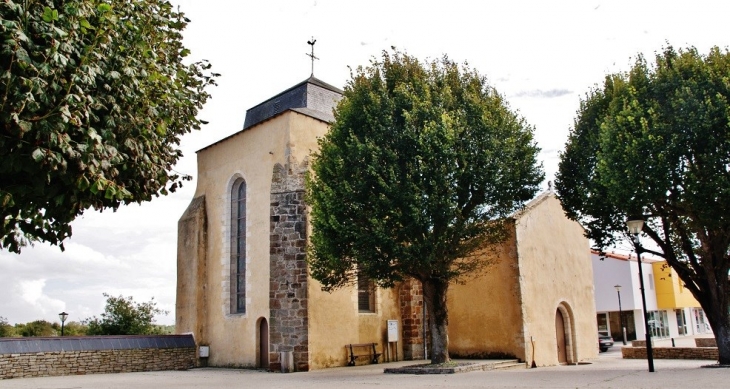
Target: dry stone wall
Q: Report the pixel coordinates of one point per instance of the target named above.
(705, 342)
(671, 353)
(123, 354)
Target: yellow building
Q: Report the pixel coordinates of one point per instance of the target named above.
(670, 290)
(245, 293)
(671, 295)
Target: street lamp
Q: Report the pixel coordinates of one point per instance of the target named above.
(620, 313)
(635, 226)
(62, 316)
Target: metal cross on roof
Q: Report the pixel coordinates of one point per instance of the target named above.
(311, 43)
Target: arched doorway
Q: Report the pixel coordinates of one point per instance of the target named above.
(560, 337)
(263, 346)
(565, 340)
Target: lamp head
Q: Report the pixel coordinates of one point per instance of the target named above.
(63, 316)
(635, 225)
(618, 287)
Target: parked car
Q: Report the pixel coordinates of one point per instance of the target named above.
(604, 342)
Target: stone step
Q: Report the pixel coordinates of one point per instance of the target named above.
(508, 365)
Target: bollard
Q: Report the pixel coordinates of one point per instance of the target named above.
(287, 361)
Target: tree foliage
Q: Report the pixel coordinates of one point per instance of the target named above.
(37, 328)
(94, 96)
(124, 316)
(422, 164)
(6, 330)
(656, 141)
(71, 328)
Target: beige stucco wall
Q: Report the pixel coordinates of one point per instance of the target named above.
(555, 270)
(485, 319)
(333, 318)
(334, 321)
(544, 264)
(252, 155)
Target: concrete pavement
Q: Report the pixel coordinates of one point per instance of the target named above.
(606, 371)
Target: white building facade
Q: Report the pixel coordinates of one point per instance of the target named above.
(673, 312)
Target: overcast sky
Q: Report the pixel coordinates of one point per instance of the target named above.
(542, 55)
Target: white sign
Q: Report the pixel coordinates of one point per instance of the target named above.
(392, 330)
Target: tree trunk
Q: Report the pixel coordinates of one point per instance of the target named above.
(434, 292)
(720, 322)
(722, 337)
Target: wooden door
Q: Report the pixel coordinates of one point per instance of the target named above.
(264, 343)
(560, 336)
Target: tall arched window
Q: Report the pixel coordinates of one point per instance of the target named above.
(238, 246)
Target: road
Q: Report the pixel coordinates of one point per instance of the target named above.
(609, 370)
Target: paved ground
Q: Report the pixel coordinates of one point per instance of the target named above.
(606, 371)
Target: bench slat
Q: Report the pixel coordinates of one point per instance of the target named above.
(372, 352)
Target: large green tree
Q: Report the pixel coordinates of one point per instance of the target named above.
(655, 141)
(94, 96)
(420, 168)
(124, 316)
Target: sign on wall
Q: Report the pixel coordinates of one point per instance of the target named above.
(392, 330)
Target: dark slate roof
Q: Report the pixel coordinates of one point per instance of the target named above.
(89, 343)
(311, 97)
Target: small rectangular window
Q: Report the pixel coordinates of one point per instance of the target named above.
(365, 294)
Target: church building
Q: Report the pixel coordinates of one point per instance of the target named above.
(244, 291)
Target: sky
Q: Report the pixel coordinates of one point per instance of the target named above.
(541, 55)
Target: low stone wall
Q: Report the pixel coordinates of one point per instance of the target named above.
(672, 353)
(38, 357)
(705, 342)
(640, 343)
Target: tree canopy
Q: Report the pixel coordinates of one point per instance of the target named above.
(655, 142)
(421, 166)
(94, 97)
(124, 316)
(6, 330)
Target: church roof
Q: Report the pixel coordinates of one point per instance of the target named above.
(311, 94)
(311, 97)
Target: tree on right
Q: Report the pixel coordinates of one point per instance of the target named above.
(655, 141)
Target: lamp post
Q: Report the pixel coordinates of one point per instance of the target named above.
(62, 316)
(635, 226)
(620, 314)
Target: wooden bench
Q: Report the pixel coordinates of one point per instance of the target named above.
(362, 350)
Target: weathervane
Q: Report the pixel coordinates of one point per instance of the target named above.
(311, 43)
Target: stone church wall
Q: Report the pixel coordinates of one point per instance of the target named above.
(556, 273)
(250, 155)
(485, 311)
(192, 269)
(288, 323)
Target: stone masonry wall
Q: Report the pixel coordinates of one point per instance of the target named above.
(411, 310)
(58, 363)
(288, 324)
(671, 353)
(705, 342)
